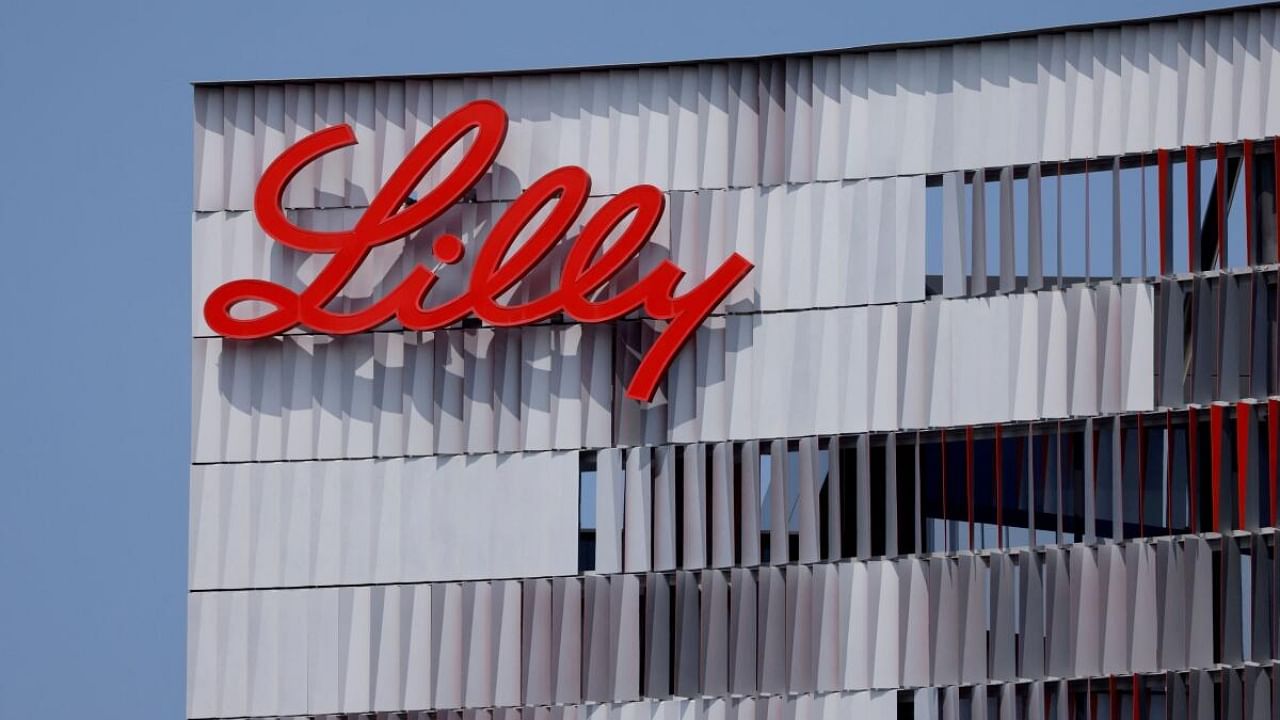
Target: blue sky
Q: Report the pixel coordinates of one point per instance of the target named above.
(95, 201)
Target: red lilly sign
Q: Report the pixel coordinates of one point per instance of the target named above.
(589, 265)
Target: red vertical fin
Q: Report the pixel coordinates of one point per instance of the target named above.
(1243, 415)
(1193, 470)
(1273, 445)
(1215, 458)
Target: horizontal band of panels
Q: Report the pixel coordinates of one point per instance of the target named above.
(1062, 612)
(1165, 473)
(271, 525)
(939, 363)
(1055, 96)
(397, 520)
(391, 394)
(814, 245)
(1246, 694)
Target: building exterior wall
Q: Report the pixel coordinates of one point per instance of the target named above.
(968, 442)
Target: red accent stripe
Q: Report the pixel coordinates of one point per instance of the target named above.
(1273, 443)
(1215, 456)
(968, 478)
(1253, 306)
(1137, 690)
(1193, 470)
(1113, 707)
(1243, 413)
(1193, 206)
(1248, 202)
(1163, 176)
(1220, 152)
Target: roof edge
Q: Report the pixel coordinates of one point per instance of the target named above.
(875, 47)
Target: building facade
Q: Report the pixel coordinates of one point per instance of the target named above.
(990, 429)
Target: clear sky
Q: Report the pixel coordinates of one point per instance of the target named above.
(95, 203)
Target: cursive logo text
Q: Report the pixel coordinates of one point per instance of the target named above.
(633, 214)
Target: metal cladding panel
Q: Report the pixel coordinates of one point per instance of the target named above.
(395, 394)
(844, 370)
(712, 125)
(348, 522)
(850, 627)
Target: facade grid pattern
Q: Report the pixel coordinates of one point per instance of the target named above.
(992, 430)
